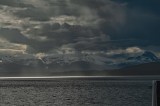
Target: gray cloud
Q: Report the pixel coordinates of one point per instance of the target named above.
(57, 35)
(14, 3)
(13, 35)
(98, 25)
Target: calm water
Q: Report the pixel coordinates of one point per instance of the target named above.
(75, 93)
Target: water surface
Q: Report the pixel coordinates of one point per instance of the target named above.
(75, 93)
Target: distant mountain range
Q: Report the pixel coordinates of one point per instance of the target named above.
(146, 57)
(62, 63)
(137, 70)
(152, 68)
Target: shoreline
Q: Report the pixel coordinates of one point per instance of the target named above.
(84, 78)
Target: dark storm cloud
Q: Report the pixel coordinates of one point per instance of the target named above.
(79, 27)
(44, 10)
(34, 14)
(14, 3)
(13, 35)
(83, 24)
(143, 20)
(58, 35)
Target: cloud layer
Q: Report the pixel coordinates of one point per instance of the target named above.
(38, 26)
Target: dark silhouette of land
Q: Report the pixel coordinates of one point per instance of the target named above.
(143, 69)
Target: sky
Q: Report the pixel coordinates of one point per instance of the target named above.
(51, 26)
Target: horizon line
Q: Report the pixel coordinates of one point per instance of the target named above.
(139, 77)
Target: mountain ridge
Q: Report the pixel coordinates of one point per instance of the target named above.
(78, 62)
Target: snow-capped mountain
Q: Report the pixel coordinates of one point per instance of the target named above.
(146, 57)
(26, 60)
(7, 59)
(76, 60)
(71, 58)
(79, 61)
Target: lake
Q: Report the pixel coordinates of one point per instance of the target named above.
(75, 93)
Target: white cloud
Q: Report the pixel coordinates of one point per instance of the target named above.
(8, 19)
(66, 50)
(129, 50)
(64, 19)
(40, 55)
(134, 50)
(11, 51)
(12, 48)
